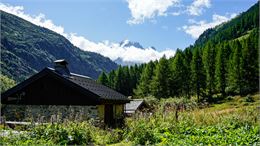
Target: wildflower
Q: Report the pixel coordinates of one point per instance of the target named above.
(70, 137)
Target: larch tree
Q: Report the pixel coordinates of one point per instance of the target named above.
(119, 83)
(235, 68)
(160, 81)
(209, 66)
(178, 75)
(221, 67)
(250, 65)
(144, 86)
(187, 62)
(111, 79)
(198, 77)
(103, 79)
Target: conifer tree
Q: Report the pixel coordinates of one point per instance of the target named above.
(111, 79)
(250, 65)
(197, 69)
(235, 80)
(209, 66)
(160, 81)
(102, 79)
(133, 78)
(143, 88)
(187, 62)
(119, 83)
(178, 76)
(138, 71)
(126, 86)
(221, 68)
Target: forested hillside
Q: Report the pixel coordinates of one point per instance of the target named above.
(240, 26)
(27, 48)
(223, 60)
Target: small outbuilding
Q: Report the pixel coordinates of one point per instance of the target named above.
(135, 105)
(54, 94)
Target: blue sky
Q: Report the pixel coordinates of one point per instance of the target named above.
(164, 24)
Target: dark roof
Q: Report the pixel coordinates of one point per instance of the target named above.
(99, 89)
(61, 61)
(82, 83)
(133, 105)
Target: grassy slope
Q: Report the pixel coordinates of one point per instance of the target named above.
(246, 35)
(235, 107)
(236, 102)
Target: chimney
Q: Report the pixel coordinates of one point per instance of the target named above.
(61, 68)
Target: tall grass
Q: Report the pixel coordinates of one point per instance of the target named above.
(234, 124)
(196, 127)
(67, 133)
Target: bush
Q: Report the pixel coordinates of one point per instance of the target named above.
(6, 83)
(232, 90)
(140, 132)
(230, 98)
(249, 98)
(67, 133)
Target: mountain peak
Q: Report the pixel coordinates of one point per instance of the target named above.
(127, 43)
(152, 47)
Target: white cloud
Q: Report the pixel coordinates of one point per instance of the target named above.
(196, 28)
(197, 7)
(142, 10)
(105, 48)
(115, 51)
(38, 20)
(148, 9)
(176, 13)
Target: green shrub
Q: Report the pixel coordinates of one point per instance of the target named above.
(230, 98)
(140, 132)
(6, 83)
(66, 133)
(249, 98)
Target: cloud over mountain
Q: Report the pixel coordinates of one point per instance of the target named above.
(196, 28)
(40, 19)
(115, 50)
(105, 48)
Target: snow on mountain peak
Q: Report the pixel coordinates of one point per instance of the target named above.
(127, 43)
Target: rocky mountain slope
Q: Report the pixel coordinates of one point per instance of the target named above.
(27, 48)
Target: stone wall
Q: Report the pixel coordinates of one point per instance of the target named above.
(48, 113)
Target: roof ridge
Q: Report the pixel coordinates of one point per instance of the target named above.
(83, 76)
(74, 74)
